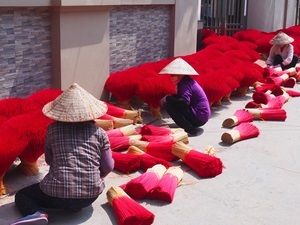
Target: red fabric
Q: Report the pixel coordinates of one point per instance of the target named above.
(154, 130)
(243, 116)
(162, 150)
(148, 161)
(140, 186)
(247, 130)
(126, 163)
(114, 133)
(119, 143)
(204, 165)
(130, 212)
(165, 189)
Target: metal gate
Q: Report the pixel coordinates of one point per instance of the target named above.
(224, 16)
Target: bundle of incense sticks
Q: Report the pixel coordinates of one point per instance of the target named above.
(240, 116)
(123, 131)
(268, 114)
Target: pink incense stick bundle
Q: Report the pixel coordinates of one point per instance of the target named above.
(240, 116)
(128, 211)
(147, 161)
(204, 165)
(275, 103)
(118, 122)
(241, 132)
(119, 112)
(126, 163)
(122, 143)
(290, 83)
(277, 80)
(263, 87)
(178, 136)
(268, 114)
(139, 187)
(123, 131)
(167, 185)
(292, 92)
(161, 150)
(155, 130)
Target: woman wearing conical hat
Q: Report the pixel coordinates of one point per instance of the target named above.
(282, 52)
(189, 108)
(78, 154)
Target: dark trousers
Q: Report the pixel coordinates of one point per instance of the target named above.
(278, 60)
(31, 199)
(181, 113)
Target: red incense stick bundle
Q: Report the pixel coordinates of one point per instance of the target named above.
(268, 114)
(156, 130)
(128, 211)
(240, 116)
(126, 163)
(147, 161)
(241, 132)
(122, 143)
(167, 185)
(292, 92)
(205, 165)
(178, 136)
(161, 150)
(116, 111)
(117, 122)
(140, 186)
(123, 131)
(104, 124)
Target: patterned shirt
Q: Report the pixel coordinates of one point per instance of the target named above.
(79, 156)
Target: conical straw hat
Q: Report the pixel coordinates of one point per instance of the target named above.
(281, 39)
(179, 67)
(75, 105)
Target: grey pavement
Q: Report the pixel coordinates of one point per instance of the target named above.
(259, 186)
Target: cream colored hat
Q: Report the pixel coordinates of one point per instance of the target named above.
(179, 67)
(281, 39)
(75, 105)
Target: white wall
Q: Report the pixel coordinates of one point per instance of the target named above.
(269, 15)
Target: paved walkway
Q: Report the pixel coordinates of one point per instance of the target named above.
(259, 186)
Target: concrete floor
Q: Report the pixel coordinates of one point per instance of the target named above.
(259, 186)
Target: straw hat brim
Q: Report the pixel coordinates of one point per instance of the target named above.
(75, 105)
(281, 39)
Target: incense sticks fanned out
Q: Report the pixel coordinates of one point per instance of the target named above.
(241, 132)
(116, 111)
(126, 163)
(140, 186)
(268, 114)
(122, 143)
(147, 161)
(162, 150)
(167, 185)
(123, 131)
(128, 211)
(205, 165)
(104, 124)
(240, 116)
(117, 122)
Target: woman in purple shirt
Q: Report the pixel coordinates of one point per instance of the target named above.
(78, 154)
(189, 108)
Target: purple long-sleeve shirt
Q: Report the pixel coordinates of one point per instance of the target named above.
(195, 97)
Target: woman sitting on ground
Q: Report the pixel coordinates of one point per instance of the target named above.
(189, 108)
(282, 52)
(78, 154)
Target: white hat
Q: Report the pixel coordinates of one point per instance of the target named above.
(75, 105)
(179, 67)
(281, 39)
